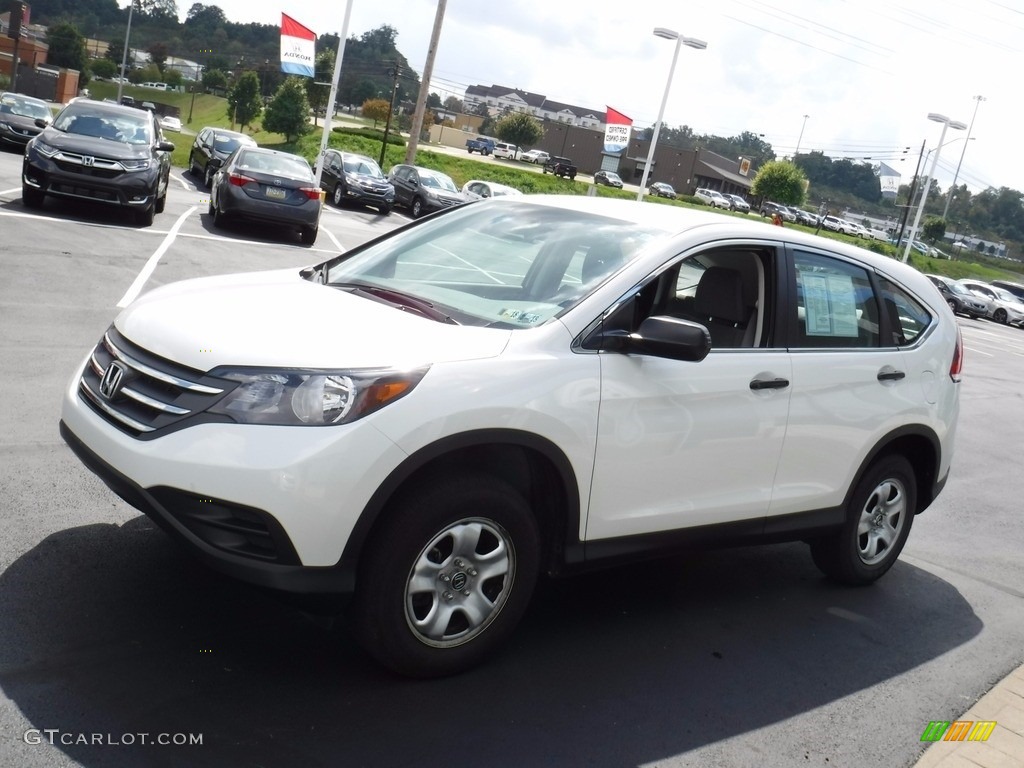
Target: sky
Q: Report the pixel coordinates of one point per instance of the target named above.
(850, 78)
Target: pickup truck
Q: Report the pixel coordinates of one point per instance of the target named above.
(560, 166)
(481, 144)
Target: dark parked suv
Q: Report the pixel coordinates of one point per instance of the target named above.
(211, 148)
(103, 152)
(423, 190)
(349, 178)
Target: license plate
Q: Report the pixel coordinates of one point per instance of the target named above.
(277, 194)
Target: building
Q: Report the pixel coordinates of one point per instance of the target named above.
(501, 99)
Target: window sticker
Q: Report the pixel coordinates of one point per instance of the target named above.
(830, 305)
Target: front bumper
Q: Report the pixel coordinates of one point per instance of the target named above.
(135, 190)
(272, 506)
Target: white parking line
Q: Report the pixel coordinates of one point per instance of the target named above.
(185, 185)
(147, 270)
(61, 220)
(334, 240)
(10, 191)
(975, 350)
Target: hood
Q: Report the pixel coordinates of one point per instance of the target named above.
(277, 319)
(91, 145)
(21, 122)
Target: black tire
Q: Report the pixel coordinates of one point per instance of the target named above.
(417, 208)
(999, 316)
(954, 305)
(209, 206)
(32, 197)
(161, 202)
(208, 177)
(219, 217)
(878, 521)
(144, 216)
(338, 196)
(450, 530)
(192, 168)
(385, 210)
(308, 235)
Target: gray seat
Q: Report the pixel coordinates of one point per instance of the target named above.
(718, 305)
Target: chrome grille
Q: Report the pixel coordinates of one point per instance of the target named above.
(144, 394)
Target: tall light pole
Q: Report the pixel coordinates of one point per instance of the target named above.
(667, 34)
(949, 197)
(801, 138)
(946, 123)
(124, 55)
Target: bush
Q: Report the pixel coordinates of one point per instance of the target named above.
(370, 133)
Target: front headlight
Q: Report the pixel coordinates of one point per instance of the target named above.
(43, 148)
(135, 165)
(313, 398)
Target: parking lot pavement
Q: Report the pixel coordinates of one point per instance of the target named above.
(734, 658)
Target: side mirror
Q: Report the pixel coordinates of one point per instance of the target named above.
(165, 146)
(42, 122)
(214, 162)
(659, 336)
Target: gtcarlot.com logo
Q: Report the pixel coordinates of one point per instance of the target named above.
(958, 730)
(56, 736)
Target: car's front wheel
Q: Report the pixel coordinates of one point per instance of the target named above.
(953, 305)
(338, 196)
(32, 197)
(878, 520)
(208, 177)
(999, 316)
(446, 576)
(145, 216)
(417, 208)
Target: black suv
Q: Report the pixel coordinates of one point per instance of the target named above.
(349, 178)
(211, 149)
(103, 152)
(560, 166)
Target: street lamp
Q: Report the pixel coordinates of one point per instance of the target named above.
(801, 138)
(946, 123)
(949, 198)
(667, 34)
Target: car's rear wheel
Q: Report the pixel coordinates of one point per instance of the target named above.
(999, 316)
(308, 235)
(219, 217)
(446, 576)
(32, 197)
(878, 520)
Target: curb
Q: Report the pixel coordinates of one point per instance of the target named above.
(1004, 705)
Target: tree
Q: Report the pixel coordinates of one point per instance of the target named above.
(67, 47)
(433, 101)
(104, 68)
(161, 9)
(453, 104)
(376, 110)
(158, 54)
(288, 111)
(319, 94)
(205, 16)
(519, 128)
(214, 79)
(934, 228)
(244, 102)
(173, 77)
(780, 181)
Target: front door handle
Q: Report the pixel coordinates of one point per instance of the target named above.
(891, 375)
(758, 384)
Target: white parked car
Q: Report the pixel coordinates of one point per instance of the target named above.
(170, 123)
(506, 150)
(519, 386)
(837, 224)
(536, 156)
(481, 190)
(712, 197)
(1003, 306)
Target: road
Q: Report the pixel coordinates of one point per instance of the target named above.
(733, 658)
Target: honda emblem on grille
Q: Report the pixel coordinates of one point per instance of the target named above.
(112, 379)
(88, 160)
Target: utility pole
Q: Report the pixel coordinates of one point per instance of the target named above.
(15, 19)
(910, 198)
(421, 100)
(124, 55)
(395, 71)
(335, 79)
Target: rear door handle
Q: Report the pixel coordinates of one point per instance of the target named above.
(891, 375)
(757, 384)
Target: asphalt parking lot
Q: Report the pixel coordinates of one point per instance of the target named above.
(734, 658)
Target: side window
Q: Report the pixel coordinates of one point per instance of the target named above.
(908, 318)
(835, 304)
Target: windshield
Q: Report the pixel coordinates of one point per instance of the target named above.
(228, 144)
(1006, 296)
(957, 288)
(120, 127)
(13, 105)
(363, 166)
(437, 181)
(500, 264)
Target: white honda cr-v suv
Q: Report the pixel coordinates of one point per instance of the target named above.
(525, 385)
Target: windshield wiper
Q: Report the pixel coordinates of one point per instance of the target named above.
(400, 300)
